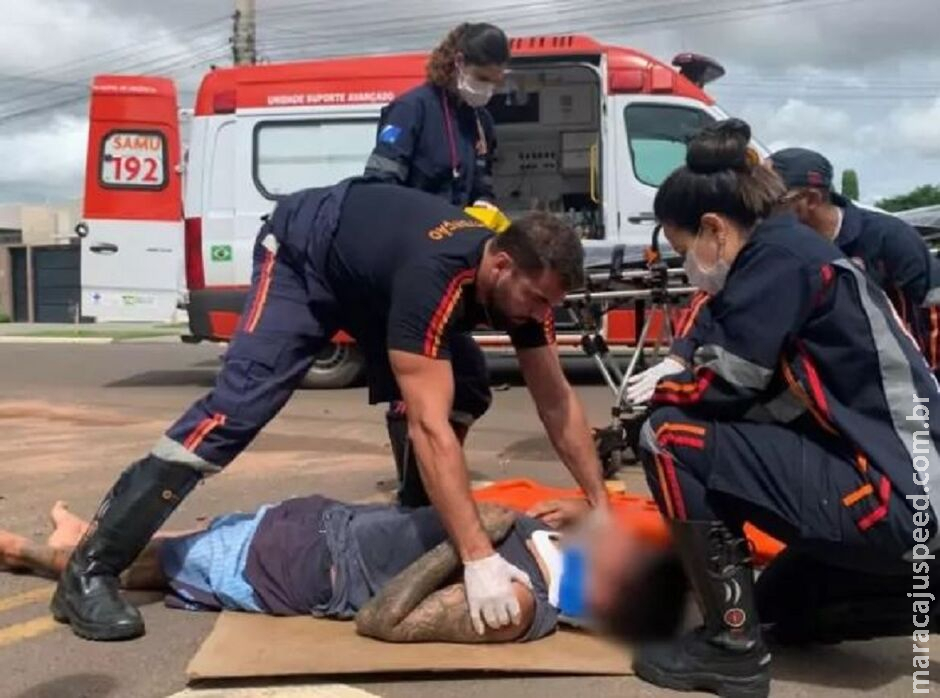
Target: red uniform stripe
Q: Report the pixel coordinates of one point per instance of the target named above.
(664, 487)
(678, 502)
(445, 308)
(815, 384)
(935, 337)
(672, 439)
(202, 430)
(674, 393)
(261, 297)
(698, 302)
(549, 326)
(884, 491)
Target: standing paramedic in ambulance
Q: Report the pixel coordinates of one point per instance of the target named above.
(404, 273)
(439, 138)
(792, 412)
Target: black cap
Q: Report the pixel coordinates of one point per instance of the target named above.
(799, 167)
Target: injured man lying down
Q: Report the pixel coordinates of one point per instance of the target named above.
(392, 570)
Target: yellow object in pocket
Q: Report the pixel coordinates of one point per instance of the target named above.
(491, 217)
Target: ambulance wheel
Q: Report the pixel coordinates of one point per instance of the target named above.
(337, 366)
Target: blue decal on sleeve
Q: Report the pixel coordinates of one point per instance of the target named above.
(389, 134)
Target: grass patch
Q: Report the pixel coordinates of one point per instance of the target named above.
(117, 335)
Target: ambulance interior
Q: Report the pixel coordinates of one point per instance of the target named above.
(548, 143)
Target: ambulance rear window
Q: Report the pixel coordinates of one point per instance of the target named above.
(133, 160)
(293, 155)
(657, 134)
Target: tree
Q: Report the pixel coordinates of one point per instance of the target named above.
(850, 185)
(926, 195)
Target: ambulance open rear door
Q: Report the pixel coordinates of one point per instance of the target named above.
(132, 228)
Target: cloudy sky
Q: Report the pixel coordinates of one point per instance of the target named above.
(856, 79)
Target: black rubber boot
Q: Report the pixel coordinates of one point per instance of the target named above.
(411, 492)
(727, 655)
(88, 596)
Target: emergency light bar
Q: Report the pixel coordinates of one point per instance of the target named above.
(699, 70)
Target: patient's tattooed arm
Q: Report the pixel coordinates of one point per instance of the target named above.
(414, 608)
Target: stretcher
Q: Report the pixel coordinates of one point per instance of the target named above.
(653, 286)
(636, 514)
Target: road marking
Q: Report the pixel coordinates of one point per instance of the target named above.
(27, 597)
(24, 631)
(330, 690)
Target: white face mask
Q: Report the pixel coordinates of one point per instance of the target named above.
(474, 92)
(712, 280)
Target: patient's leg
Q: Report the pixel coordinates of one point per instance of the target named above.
(18, 553)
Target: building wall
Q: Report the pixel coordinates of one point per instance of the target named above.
(41, 225)
(6, 283)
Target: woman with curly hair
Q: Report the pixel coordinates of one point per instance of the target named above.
(438, 137)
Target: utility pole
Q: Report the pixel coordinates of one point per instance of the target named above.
(243, 33)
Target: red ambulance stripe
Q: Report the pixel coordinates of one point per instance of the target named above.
(441, 316)
(261, 297)
(884, 491)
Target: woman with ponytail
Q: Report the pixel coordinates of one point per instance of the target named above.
(439, 137)
(784, 410)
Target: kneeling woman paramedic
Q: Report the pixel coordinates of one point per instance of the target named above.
(793, 412)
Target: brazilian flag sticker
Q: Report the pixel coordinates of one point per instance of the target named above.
(221, 253)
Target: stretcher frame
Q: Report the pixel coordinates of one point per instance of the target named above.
(656, 290)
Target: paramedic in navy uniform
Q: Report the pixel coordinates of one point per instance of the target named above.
(791, 411)
(440, 138)
(405, 273)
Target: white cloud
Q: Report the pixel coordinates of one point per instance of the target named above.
(53, 154)
(798, 123)
(918, 128)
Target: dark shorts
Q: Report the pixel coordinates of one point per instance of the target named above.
(288, 562)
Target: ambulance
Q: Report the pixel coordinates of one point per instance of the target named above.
(584, 129)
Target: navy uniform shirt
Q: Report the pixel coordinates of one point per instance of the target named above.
(800, 335)
(896, 257)
(404, 267)
(421, 142)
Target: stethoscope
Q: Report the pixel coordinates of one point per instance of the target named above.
(451, 138)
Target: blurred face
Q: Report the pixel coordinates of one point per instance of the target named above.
(613, 558)
(514, 297)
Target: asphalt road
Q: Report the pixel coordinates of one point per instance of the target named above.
(72, 417)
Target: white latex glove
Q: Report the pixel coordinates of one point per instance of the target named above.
(488, 583)
(641, 386)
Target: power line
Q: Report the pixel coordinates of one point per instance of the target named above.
(184, 63)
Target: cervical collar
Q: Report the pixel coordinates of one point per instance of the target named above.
(547, 548)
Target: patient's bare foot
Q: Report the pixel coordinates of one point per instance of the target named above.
(11, 546)
(68, 528)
